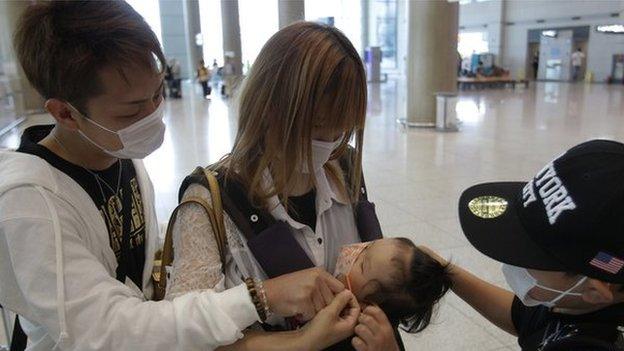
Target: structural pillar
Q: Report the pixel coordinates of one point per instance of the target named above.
(27, 99)
(496, 33)
(192, 27)
(431, 65)
(231, 35)
(290, 11)
(365, 25)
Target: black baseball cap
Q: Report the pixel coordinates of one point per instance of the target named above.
(569, 217)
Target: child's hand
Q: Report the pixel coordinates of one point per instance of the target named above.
(374, 331)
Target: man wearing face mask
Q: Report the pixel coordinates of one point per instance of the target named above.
(78, 230)
(560, 239)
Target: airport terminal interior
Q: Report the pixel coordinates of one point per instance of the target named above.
(507, 94)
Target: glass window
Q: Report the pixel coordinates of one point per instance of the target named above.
(150, 10)
(383, 30)
(212, 34)
(258, 22)
(345, 15)
(472, 42)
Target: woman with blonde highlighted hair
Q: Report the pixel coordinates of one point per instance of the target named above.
(292, 189)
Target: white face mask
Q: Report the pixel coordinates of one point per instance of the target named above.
(521, 282)
(139, 139)
(321, 152)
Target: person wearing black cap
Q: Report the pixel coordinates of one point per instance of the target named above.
(560, 238)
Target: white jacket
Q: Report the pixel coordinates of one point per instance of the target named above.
(57, 271)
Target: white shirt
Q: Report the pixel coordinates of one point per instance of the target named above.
(197, 264)
(57, 271)
(577, 58)
(465, 65)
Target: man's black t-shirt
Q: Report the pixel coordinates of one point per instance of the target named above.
(532, 322)
(113, 207)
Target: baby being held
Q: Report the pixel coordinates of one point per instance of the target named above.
(396, 275)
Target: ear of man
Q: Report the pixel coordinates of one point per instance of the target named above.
(618, 292)
(61, 113)
(599, 293)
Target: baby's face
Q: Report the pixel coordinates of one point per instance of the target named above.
(375, 265)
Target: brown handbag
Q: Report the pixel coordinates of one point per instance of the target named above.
(215, 215)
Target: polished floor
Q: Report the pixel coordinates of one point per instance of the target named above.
(415, 176)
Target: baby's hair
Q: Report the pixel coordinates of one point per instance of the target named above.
(410, 298)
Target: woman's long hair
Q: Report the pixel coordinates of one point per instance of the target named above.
(306, 76)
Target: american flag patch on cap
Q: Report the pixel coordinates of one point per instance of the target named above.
(607, 263)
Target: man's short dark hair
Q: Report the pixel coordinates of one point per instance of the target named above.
(62, 46)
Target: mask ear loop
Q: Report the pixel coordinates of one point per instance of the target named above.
(91, 121)
(348, 275)
(568, 292)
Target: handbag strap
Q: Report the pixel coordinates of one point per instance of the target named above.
(217, 205)
(215, 216)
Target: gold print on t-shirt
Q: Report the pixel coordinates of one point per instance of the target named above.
(138, 218)
(137, 206)
(112, 211)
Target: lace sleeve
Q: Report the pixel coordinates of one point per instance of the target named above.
(196, 263)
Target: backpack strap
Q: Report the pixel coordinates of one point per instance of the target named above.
(250, 220)
(215, 216)
(270, 241)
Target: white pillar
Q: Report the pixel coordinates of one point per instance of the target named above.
(192, 27)
(365, 25)
(290, 11)
(496, 32)
(231, 34)
(431, 57)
